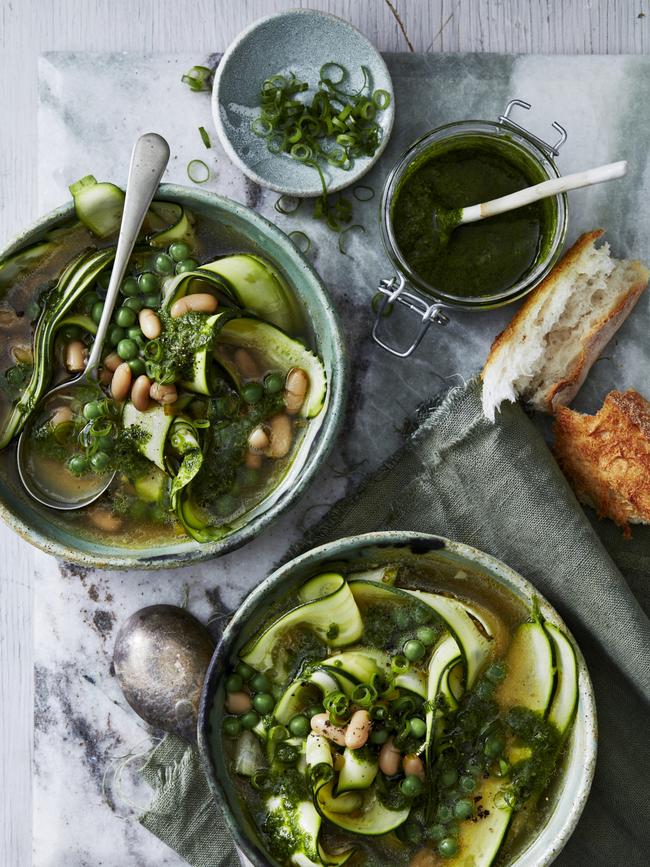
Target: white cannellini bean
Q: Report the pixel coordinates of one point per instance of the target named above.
(389, 758)
(424, 858)
(412, 764)
(140, 393)
(149, 323)
(105, 520)
(163, 393)
(61, 415)
(238, 702)
(112, 362)
(258, 439)
(201, 302)
(75, 356)
(252, 460)
(295, 390)
(358, 730)
(246, 364)
(23, 353)
(320, 723)
(121, 382)
(105, 376)
(281, 435)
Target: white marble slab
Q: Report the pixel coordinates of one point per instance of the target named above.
(91, 109)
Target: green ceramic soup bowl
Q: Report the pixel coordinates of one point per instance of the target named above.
(568, 793)
(239, 229)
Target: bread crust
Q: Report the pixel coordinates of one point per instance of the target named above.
(606, 456)
(546, 287)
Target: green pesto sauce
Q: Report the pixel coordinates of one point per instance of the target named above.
(478, 259)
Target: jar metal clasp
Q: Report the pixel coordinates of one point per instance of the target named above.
(505, 118)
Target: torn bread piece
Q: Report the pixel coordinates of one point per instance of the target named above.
(545, 353)
(606, 456)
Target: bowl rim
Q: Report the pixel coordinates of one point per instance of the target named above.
(321, 448)
(345, 546)
(355, 174)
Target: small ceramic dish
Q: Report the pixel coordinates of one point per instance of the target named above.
(300, 41)
(566, 797)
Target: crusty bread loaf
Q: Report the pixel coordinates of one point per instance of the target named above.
(545, 353)
(606, 456)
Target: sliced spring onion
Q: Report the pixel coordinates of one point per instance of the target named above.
(345, 232)
(198, 78)
(287, 204)
(301, 240)
(205, 138)
(198, 171)
(381, 98)
(363, 193)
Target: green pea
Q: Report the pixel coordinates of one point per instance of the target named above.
(485, 689)
(231, 726)
(127, 349)
(437, 832)
(273, 383)
(494, 746)
(234, 683)
(249, 720)
(410, 832)
(422, 614)
(252, 392)
(263, 702)
(400, 616)
(418, 727)
(379, 712)
(87, 302)
(496, 672)
(115, 334)
(245, 671)
(148, 282)
(447, 847)
(380, 736)
(299, 726)
(411, 786)
(99, 461)
(260, 683)
(137, 366)
(179, 251)
(163, 263)
(467, 784)
(225, 504)
(71, 332)
(449, 776)
(463, 809)
(152, 301)
(186, 265)
(414, 650)
(92, 410)
(130, 287)
(444, 812)
(96, 312)
(134, 303)
(103, 280)
(125, 317)
(427, 635)
(313, 710)
(78, 465)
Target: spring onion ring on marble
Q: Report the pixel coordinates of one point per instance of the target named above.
(372, 721)
(207, 384)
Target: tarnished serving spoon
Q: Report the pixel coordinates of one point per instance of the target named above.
(161, 657)
(446, 220)
(148, 162)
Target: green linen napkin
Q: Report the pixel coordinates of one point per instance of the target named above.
(498, 488)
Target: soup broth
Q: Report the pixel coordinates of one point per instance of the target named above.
(227, 385)
(399, 715)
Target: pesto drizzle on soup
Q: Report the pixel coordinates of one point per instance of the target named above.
(423, 729)
(207, 384)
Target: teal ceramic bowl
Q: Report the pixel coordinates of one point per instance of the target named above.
(300, 41)
(569, 794)
(38, 525)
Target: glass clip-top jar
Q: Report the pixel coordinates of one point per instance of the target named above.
(482, 265)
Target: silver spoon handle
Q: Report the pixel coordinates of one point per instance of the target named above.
(148, 162)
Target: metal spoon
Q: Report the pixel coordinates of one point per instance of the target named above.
(160, 658)
(148, 162)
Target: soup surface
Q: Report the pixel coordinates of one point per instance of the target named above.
(397, 716)
(478, 259)
(207, 385)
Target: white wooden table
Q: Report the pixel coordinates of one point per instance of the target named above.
(28, 27)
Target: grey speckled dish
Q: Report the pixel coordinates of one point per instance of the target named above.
(566, 799)
(300, 41)
(35, 523)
